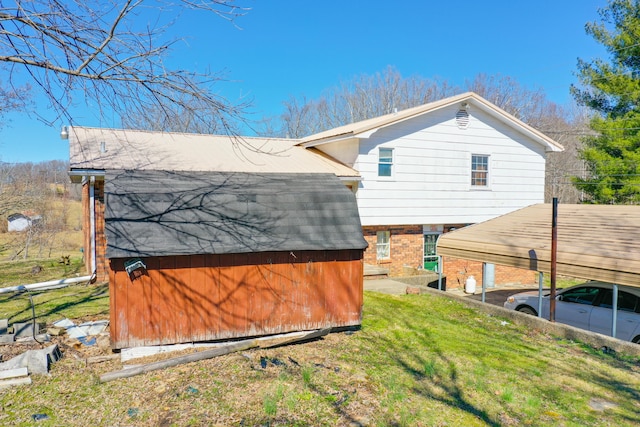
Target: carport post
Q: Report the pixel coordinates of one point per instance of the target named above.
(614, 323)
(540, 282)
(440, 268)
(484, 280)
(554, 251)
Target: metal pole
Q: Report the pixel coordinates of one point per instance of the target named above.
(41, 286)
(484, 280)
(440, 272)
(614, 323)
(554, 250)
(540, 282)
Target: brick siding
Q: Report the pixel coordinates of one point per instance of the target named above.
(458, 270)
(406, 247)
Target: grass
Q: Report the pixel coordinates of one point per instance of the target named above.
(36, 270)
(418, 360)
(74, 302)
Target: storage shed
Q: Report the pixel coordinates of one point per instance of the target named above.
(197, 256)
(19, 222)
(595, 242)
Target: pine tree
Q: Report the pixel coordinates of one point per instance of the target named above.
(612, 90)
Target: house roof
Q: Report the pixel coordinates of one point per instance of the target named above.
(16, 216)
(598, 242)
(102, 149)
(366, 128)
(161, 213)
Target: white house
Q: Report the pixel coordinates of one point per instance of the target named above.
(19, 222)
(436, 167)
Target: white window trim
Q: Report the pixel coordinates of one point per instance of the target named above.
(489, 172)
(393, 164)
(380, 245)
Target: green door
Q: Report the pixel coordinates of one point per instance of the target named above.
(430, 261)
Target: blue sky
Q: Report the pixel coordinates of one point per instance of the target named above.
(287, 48)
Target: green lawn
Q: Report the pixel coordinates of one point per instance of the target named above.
(418, 360)
(24, 272)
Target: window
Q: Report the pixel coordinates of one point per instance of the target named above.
(479, 170)
(385, 161)
(584, 295)
(626, 301)
(383, 245)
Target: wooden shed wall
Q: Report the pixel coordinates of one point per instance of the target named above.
(213, 297)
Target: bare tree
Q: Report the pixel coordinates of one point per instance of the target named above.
(562, 166)
(362, 98)
(371, 96)
(110, 53)
(41, 192)
(529, 105)
(177, 118)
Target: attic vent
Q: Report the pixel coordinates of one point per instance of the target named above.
(462, 118)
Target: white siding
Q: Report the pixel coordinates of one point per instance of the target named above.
(19, 224)
(343, 151)
(431, 182)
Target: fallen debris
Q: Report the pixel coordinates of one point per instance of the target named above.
(127, 354)
(36, 361)
(13, 373)
(193, 357)
(83, 330)
(294, 337)
(25, 329)
(99, 359)
(262, 342)
(39, 417)
(11, 377)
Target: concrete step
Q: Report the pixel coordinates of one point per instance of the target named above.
(375, 270)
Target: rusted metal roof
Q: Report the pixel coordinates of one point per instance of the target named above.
(103, 149)
(599, 242)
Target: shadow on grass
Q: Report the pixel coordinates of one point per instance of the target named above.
(59, 302)
(433, 358)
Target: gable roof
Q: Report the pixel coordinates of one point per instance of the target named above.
(102, 149)
(161, 213)
(16, 216)
(599, 242)
(366, 128)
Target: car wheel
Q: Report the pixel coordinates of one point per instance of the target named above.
(636, 340)
(527, 310)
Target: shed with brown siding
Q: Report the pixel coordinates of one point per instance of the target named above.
(228, 255)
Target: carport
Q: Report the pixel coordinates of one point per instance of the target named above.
(594, 242)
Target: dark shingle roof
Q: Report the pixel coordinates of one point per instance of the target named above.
(160, 213)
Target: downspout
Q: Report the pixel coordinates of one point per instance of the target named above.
(92, 221)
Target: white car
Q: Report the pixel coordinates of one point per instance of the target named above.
(588, 306)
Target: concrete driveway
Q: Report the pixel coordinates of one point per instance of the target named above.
(496, 296)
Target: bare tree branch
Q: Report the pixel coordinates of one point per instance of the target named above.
(108, 53)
